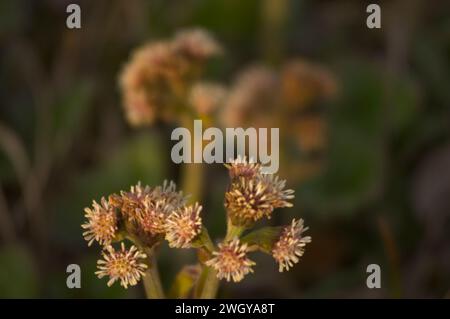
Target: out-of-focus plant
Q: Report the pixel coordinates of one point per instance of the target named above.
(146, 216)
(292, 99)
(163, 81)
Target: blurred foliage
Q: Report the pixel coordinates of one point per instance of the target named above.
(388, 128)
(19, 278)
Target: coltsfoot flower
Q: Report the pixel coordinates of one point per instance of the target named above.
(132, 203)
(183, 225)
(231, 261)
(149, 207)
(123, 265)
(101, 223)
(279, 197)
(249, 200)
(172, 198)
(288, 249)
(156, 207)
(159, 73)
(151, 68)
(153, 216)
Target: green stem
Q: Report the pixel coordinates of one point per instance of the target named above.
(233, 231)
(208, 284)
(192, 173)
(192, 178)
(152, 283)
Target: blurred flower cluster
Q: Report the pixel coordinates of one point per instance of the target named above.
(147, 216)
(290, 98)
(159, 77)
(163, 81)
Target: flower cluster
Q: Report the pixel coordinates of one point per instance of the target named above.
(149, 215)
(146, 215)
(163, 81)
(253, 195)
(294, 97)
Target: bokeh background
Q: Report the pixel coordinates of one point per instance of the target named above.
(371, 171)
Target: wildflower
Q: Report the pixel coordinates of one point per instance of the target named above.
(231, 261)
(279, 197)
(290, 246)
(157, 206)
(140, 201)
(121, 265)
(248, 200)
(183, 225)
(153, 215)
(101, 223)
(148, 80)
(132, 203)
(205, 98)
(240, 167)
(172, 198)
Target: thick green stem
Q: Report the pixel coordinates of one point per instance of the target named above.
(233, 231)
(152, 283)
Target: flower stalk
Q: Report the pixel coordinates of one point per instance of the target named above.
(152, 281)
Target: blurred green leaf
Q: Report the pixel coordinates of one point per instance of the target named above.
(264, 238)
